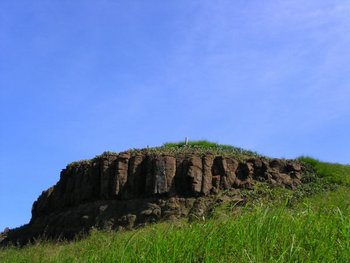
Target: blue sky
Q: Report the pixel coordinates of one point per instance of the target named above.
(81, 77)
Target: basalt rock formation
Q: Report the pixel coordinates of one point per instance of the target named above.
(131, 189)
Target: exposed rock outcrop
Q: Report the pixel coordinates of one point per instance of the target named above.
(130, 189)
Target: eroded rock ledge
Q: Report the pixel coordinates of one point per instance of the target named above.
(128, 189)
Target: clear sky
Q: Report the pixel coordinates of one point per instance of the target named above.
(81, 77)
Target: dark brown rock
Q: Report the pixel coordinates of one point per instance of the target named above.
(160, 175)
(4, 240)
(218, 171)
(260, 169)
(225, 168)
(207, 182)
(107, 169)
(293, 167)
(182, 184)
(230, 166)
(170, 172)
(135, 184)
(120, 177)
(195, 174)
(128, 221)
(244, 175)
(127, 190)
(278, 165)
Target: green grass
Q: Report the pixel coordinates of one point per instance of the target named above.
(200, 143)
(200, 147)
(311, 224)
(209, 146)
(333, 172)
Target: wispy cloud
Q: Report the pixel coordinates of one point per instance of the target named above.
(287, 57)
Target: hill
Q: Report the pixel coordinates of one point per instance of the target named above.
(259, 221)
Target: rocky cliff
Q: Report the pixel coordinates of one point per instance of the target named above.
(133, 188)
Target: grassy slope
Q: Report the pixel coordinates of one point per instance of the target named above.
(309, 225)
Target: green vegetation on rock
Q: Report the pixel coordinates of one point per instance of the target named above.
(205, 146)
(200, 147)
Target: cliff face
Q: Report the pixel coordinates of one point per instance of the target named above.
(128, 176)
(131, 189)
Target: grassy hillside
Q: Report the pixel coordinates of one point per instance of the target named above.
(311, 224)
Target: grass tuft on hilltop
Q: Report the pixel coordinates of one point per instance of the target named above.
(200, 147)
(209, 146)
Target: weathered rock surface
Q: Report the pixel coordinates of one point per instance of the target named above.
(129, 189)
